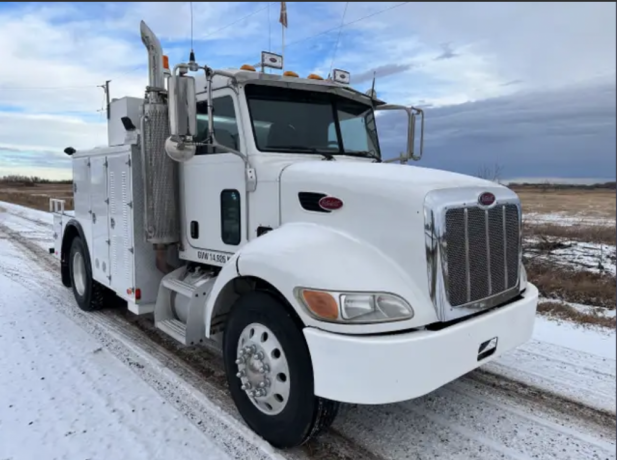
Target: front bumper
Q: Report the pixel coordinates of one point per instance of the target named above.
(391, 368)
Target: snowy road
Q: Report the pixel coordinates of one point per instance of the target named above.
(108, 385)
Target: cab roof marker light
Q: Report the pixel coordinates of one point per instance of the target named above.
(290, 73)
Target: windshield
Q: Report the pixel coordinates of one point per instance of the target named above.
(292, 120)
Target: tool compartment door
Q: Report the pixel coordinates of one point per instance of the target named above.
(120, 223)
(100, 220)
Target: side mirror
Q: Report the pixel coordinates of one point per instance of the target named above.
(412, 114)
(182, 105)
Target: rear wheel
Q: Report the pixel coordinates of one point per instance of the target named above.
(89, 294)
(270, 374)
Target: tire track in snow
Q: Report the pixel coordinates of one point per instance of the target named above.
(200, 398)
(236, 440)
(443, 424)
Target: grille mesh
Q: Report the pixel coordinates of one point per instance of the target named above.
(481, 252)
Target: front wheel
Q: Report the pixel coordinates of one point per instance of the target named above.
(270, 374)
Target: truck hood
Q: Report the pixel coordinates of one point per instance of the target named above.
(381, 178)
(383, 205)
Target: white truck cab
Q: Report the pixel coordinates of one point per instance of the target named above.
(255, 207)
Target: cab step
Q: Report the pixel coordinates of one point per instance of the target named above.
(173, 328)
(195, 286)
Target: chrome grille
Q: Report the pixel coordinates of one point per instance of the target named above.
(481, 252)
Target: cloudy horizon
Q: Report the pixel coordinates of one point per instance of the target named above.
(528, 86)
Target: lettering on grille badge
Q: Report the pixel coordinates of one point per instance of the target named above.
(486, 199)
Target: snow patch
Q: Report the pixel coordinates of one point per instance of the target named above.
(566, 219)
(576, 255)
(595, 341)
(28, 213)
(65, 396)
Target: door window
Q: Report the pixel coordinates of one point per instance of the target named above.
(225, 125)
(231, 225)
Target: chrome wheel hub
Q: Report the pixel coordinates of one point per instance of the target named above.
(79, 273)
(263, 369)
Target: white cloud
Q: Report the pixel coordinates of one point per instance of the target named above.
(45, 132)
(542, 44)
(54, 55)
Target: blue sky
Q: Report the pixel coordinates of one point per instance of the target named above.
(530, 86)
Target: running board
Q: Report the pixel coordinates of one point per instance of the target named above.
(185, 292)
(173, 328)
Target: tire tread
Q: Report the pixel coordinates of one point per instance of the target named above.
(318, 416)
(96, 294)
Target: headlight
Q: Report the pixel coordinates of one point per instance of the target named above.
(355, 307)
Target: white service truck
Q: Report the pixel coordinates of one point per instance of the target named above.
(255, 208)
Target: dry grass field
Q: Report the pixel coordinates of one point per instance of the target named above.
(36, 195)
(585, 204)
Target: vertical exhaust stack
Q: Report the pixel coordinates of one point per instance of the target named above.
(159, 172)
(156, 76)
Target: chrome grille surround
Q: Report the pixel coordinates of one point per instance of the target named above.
(467, 271)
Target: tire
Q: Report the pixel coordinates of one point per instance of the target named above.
(89, 294)
(303, 415)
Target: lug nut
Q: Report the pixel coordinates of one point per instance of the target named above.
(239, 361)
(259, 355)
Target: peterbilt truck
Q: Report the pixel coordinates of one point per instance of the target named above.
(254, 208)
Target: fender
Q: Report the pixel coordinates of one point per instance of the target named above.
(72, 229)
(315, 256)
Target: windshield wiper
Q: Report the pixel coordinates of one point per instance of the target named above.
(364, 153)
(327, 156)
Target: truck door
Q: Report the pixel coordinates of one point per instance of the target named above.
(213, 186)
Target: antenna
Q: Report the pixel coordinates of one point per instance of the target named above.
(106, 90)
(192, 64)
(373, 86)
(269, 30)
(338, 38)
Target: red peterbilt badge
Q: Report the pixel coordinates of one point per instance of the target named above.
(486, 199)
(330, 203)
